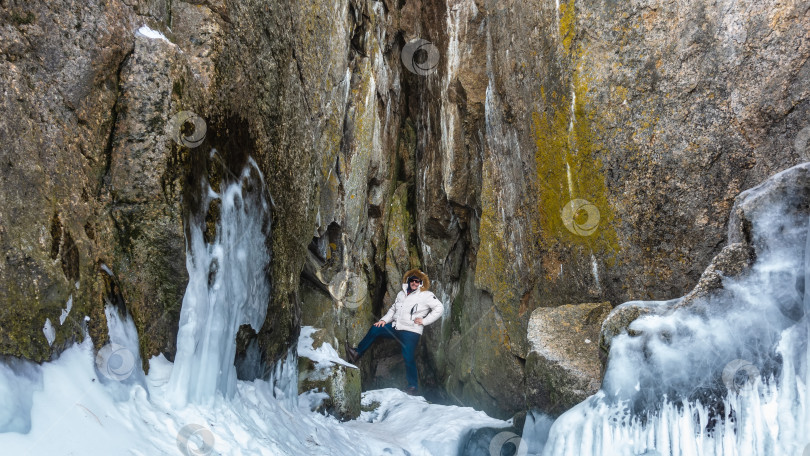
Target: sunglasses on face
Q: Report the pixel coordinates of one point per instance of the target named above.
(415, 280)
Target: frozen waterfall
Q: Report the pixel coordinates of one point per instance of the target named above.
(725, 375)
(228, 287)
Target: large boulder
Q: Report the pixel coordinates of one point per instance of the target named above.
(563, 366)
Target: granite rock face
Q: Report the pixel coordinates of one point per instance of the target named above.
(97, 181)
(563, 366)
(591, 152)
(144, 188)
(59, 72)
(530, 155)
(781, 201)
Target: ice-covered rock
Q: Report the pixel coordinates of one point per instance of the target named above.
(321, 369)
(723, 370)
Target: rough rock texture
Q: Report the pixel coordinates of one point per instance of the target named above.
(563, 366)
(341, 383)
(571, 151)
(776, 201)
(732, 261)
(59, 72)
(143, 190)
(96, 181)
(591, 152)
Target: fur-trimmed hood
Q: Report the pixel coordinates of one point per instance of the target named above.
(416, 272)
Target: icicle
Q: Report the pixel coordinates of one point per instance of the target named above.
(228, 287)
(704, 384)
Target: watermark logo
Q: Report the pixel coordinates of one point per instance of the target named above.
(188, 129)
(349, 288)
(581, 217)
(420, 57)
(195, 440)
(115, 362)
(505, 440)
(800, 145)
(739, 374)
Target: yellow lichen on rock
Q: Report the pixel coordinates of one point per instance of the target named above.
(567, 24)
(493, 272)
(569, 169)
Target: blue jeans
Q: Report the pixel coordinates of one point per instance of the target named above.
(407, 339)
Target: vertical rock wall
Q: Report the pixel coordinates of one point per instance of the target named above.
(576, 151)
(60, 71)
(559, 153)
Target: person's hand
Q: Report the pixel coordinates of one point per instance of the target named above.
(418, 321)
(379, 323)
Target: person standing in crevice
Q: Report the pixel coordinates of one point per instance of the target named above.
(414, 308)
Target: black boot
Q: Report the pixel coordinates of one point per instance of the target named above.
(351, 354)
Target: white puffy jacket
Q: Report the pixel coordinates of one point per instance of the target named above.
(408, 307)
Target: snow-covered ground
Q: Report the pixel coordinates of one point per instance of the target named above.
(101, 403)
(75, 411)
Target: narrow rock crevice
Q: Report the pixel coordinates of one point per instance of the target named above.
(108, 148)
